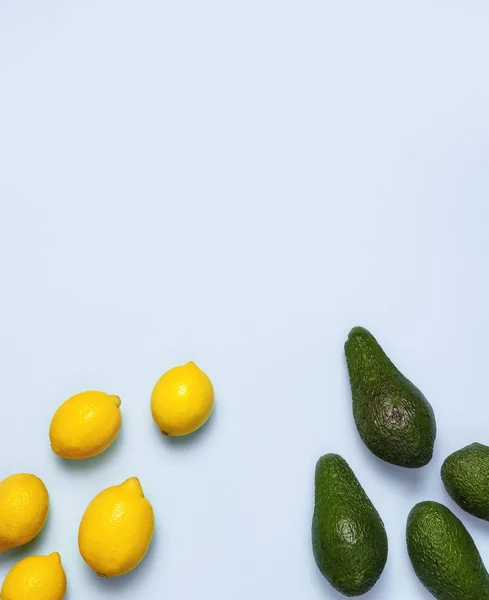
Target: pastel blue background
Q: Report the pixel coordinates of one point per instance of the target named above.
(240, 183)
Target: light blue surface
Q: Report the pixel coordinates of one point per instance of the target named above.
(239, 183)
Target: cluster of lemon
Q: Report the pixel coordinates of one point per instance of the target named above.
(118, 524)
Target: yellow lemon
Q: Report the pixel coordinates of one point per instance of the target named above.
(85, 425)
(116, 529)
(24, 505)
(182, 400)
(35, 578)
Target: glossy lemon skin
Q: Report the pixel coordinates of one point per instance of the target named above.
(35, 578)
(85, 425)
(116, 529)
(182, 400)
(24, 506)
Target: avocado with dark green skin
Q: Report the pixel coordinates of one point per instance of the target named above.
(444, 555)
(348, 536)
(392, 416)
(465, 475)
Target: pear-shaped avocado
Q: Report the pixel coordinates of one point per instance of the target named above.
(348, 536)
(444, 555)
(393, 418)
(465, 475)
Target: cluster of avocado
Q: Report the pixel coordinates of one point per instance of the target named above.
(397, 424)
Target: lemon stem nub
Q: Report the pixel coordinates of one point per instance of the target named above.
(55, 555)
(116, 400)
(133, 483)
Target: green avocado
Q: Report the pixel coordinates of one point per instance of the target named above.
(392, 416)
(444, 555)
(465, 475)
(348, 536)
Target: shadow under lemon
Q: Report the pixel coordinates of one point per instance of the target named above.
(141, 572)
(32, 548)
(192, 439)
(87, 464)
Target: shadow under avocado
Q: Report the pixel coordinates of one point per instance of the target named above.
(323, 583)
(412, 478)
(116, 584)
(471, 522)
(192, 439)
(421, 591)
(87, 464)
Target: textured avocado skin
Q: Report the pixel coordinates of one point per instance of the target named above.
(392, 416)
(348, 536)
(444, 555)
(465, 475)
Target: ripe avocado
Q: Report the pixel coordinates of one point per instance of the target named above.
(392, 416)
(465, 475)
(444, 555)
(348, 536)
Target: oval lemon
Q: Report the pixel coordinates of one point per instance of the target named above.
(116, 529)
(182, 400)
(85, 425)
(35, 578)
(24, 506)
